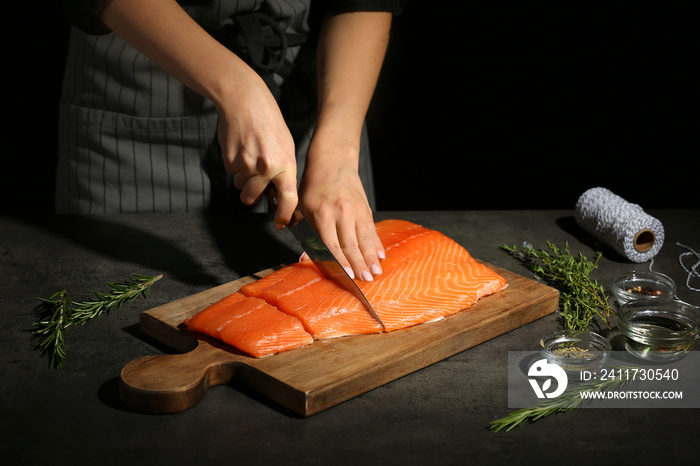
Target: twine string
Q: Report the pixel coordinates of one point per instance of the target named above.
(629, 230)
(620, 224)
(692, 271)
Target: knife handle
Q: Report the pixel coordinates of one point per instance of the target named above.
(272, 194)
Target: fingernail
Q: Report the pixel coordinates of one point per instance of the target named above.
(350, 272)
(366, 276)
(381, 255)
(303, 257)
(375, 269)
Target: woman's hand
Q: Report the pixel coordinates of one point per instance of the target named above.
(350, 54)
(257, 146)
(334, 201)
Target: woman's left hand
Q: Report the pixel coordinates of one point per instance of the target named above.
(334, 201)
(350, 54)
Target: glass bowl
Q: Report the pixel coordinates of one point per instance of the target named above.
(635, 285)
(576, 350)
(659, 330)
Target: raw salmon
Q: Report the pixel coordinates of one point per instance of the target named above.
(251, 325)
(426, 276)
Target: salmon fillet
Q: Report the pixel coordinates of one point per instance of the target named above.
(426, 276)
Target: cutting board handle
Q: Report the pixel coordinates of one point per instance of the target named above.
(171, 383)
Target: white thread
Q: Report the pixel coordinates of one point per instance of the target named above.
(621, 225)
(693, 270)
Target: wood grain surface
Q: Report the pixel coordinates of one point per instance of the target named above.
(313, 378)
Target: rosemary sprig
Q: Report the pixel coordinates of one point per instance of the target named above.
(570, 399)
(52, 329)
(121, 293)
(581, 297)
(60, 312)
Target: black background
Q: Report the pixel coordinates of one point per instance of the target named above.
(480, 105)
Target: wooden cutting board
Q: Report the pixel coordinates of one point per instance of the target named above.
(310, 379)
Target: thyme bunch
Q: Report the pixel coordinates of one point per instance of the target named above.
(581, 297)
(570, 399)
(60, 312)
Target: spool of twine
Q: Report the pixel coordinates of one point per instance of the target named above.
(623, 226)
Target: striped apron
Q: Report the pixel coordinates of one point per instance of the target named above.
(133, 139)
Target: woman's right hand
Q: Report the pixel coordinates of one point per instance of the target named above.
(256, 145)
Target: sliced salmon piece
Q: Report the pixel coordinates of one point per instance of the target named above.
(283, 282)
(211, 320)
(325, 309)
(328, 311)
(251, 325)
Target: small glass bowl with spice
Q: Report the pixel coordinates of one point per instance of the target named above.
(635, 285)
(576, 350)
(659, 330)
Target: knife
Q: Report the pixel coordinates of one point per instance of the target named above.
(319, 253)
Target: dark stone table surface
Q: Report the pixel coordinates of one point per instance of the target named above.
(438, 415)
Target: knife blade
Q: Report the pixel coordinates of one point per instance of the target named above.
(320, 255)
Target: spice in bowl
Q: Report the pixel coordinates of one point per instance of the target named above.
(635, 285)
(645, 291)
(573, 353)
(576, 350)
